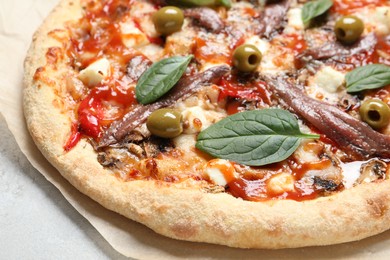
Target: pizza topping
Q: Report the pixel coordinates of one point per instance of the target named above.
(329, 80)
(352, 135)
(340, 53)
(281, 183)
(160, 78)
(220, 172)
(206, 18)
(165, 123)
(254, 138)
(182, 90)
(375, 112)
(348, 29)
(367, 77)
(272, 17)
(95, 72)
(182, 106)
(136, 66)
(226, 3)
(349, 6)
(314, 9)
(372, 170)
(168, 20)
(246, 57)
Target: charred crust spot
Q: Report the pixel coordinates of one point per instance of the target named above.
(325, 185)
(377, 207)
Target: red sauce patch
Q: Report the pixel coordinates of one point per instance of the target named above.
(346, 7)
(249, 90)
(209, 51)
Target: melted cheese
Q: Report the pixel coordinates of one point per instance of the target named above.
(95, 72)
(294, 18)
(132, 37)
(376, 19)
(326, 85)
(281, 183)
(220, 172)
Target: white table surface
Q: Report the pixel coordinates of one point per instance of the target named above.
(36, 222)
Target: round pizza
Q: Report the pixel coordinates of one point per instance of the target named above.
(251, 124)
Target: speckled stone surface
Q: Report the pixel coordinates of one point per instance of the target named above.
(36, 222)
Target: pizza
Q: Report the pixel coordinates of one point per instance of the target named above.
(251, 124)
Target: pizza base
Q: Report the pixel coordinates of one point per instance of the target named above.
(183, 211)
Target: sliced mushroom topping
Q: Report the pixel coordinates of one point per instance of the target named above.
(182, 90)
(352, 135)
(206, 18)
(372, 170)
(156, 145)
(325, 185)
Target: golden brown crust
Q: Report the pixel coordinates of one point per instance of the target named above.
(184, 212)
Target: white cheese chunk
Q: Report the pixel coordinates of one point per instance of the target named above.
(295, 23)
(132, 37)
(261, 44)
(216, 176)
(186, 143)
(329, 79)
(376, 19)
(280, 183)
(220, 172)
(195, 119)
(95, 72)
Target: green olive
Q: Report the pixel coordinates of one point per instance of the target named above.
(375, 112)
(168, 20)
(246, 57)
(348, 29)
(165, 122)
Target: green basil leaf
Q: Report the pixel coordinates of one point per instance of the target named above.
(160, 78)
(253, 138)
(367, 77)
(226, 3)
(313, 9)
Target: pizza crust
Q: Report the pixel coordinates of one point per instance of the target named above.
(184, 211)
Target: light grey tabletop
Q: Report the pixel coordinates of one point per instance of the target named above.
(36, 222)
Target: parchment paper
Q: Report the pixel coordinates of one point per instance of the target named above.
(18, 20)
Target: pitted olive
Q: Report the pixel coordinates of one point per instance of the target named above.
(375, 112)
(246, 57)
(168, 20)
(165, 122)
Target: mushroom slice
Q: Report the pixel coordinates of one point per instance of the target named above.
(372, 170)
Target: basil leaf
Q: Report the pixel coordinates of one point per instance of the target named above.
(160, 78)
(313, 9)
(226, 3)
(253, 138)
(367, 77)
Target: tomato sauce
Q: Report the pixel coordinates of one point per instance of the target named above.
(256, 190)
(249, 90)
(346, 7)
(211, 52)
(109, 100)
(295, 42)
